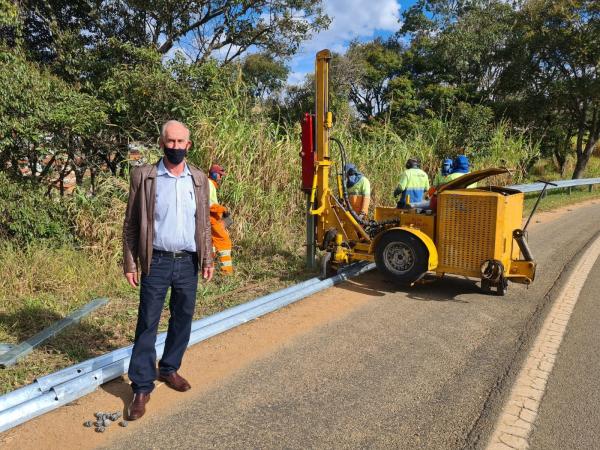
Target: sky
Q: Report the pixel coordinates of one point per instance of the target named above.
(351, 19)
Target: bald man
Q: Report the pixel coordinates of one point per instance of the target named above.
(167, 241)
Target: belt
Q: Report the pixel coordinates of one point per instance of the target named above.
(174, 255)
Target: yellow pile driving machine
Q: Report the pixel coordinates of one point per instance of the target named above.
(470, 232)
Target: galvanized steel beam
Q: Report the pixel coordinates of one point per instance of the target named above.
(19, 351)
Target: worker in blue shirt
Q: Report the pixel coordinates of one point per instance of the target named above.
(413, 185)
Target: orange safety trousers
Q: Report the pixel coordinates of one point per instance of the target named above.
(220, 239)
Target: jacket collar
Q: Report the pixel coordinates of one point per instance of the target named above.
(160, 169)
(152, 172)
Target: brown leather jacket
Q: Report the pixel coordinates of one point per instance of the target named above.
(138, 228)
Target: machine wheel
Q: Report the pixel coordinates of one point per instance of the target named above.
(502, 287)
(401, 257)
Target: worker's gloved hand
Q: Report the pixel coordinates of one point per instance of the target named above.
(397, 192)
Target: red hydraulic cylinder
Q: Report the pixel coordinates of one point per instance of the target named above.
(308, 153)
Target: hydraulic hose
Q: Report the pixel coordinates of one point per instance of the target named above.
(343, 184)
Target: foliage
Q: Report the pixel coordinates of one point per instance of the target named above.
(142, 95)
(56, 29)
(263, 74)
(553, 71)
(43, 121)
(97, 220)
(536, 65)
(9, 23)
(27, 217)
(368, 69)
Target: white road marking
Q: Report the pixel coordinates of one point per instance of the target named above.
(516, 420)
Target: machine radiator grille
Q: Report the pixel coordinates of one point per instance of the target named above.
(467, 230)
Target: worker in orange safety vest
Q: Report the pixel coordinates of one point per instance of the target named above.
(219, 220)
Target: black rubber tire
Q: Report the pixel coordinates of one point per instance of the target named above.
(486, 286)
(502, 287)
(409, 257)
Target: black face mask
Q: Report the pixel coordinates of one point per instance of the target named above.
(175, 155)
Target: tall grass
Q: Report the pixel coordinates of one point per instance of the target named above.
(263, 166)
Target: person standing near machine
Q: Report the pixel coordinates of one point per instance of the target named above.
(359, 190)
(166, 237)
(442, 176)
(413, 185)
(219, 218)
(461, 166)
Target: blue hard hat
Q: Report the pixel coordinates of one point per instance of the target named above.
(461, 163)
(350, 169)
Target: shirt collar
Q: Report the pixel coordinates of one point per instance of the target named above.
(162, 170)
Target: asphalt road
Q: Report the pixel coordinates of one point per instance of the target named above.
(569, 415)
(422, 368)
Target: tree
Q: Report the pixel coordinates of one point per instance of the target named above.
(536, 64)
(553, 70)
(56, 28)
(263, 74)
(366, 70)
(457, 43)
(9, 23)
(44, 123)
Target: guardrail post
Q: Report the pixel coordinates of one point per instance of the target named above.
(569, 190)
(311, 262)
(591, 187)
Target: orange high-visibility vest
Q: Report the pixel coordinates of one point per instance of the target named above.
(220, 236)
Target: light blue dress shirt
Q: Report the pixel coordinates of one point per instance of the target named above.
(174, 211)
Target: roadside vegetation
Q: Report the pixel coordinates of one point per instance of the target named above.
(83, 101)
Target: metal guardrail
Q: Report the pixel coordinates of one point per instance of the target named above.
(66, 385)
(560, 184)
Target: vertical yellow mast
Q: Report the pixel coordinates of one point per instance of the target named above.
(330, 214)
(324, 120)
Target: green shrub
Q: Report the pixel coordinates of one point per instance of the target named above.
(28, 216)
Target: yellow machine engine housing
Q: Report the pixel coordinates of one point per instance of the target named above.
(475, 226)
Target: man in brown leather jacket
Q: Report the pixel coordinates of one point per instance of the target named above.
(166, 237)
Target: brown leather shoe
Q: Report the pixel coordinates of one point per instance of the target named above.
(175, 381)
(137, 407)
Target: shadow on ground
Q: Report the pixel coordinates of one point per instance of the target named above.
(446, 289)
(79, 341)
(120, 389)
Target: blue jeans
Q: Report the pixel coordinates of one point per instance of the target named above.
(181, 275)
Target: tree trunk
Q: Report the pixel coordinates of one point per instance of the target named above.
(561, 159)
(582, 161)
(584, 154)
(93, 180)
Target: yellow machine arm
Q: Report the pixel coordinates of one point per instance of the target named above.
(333, 216)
